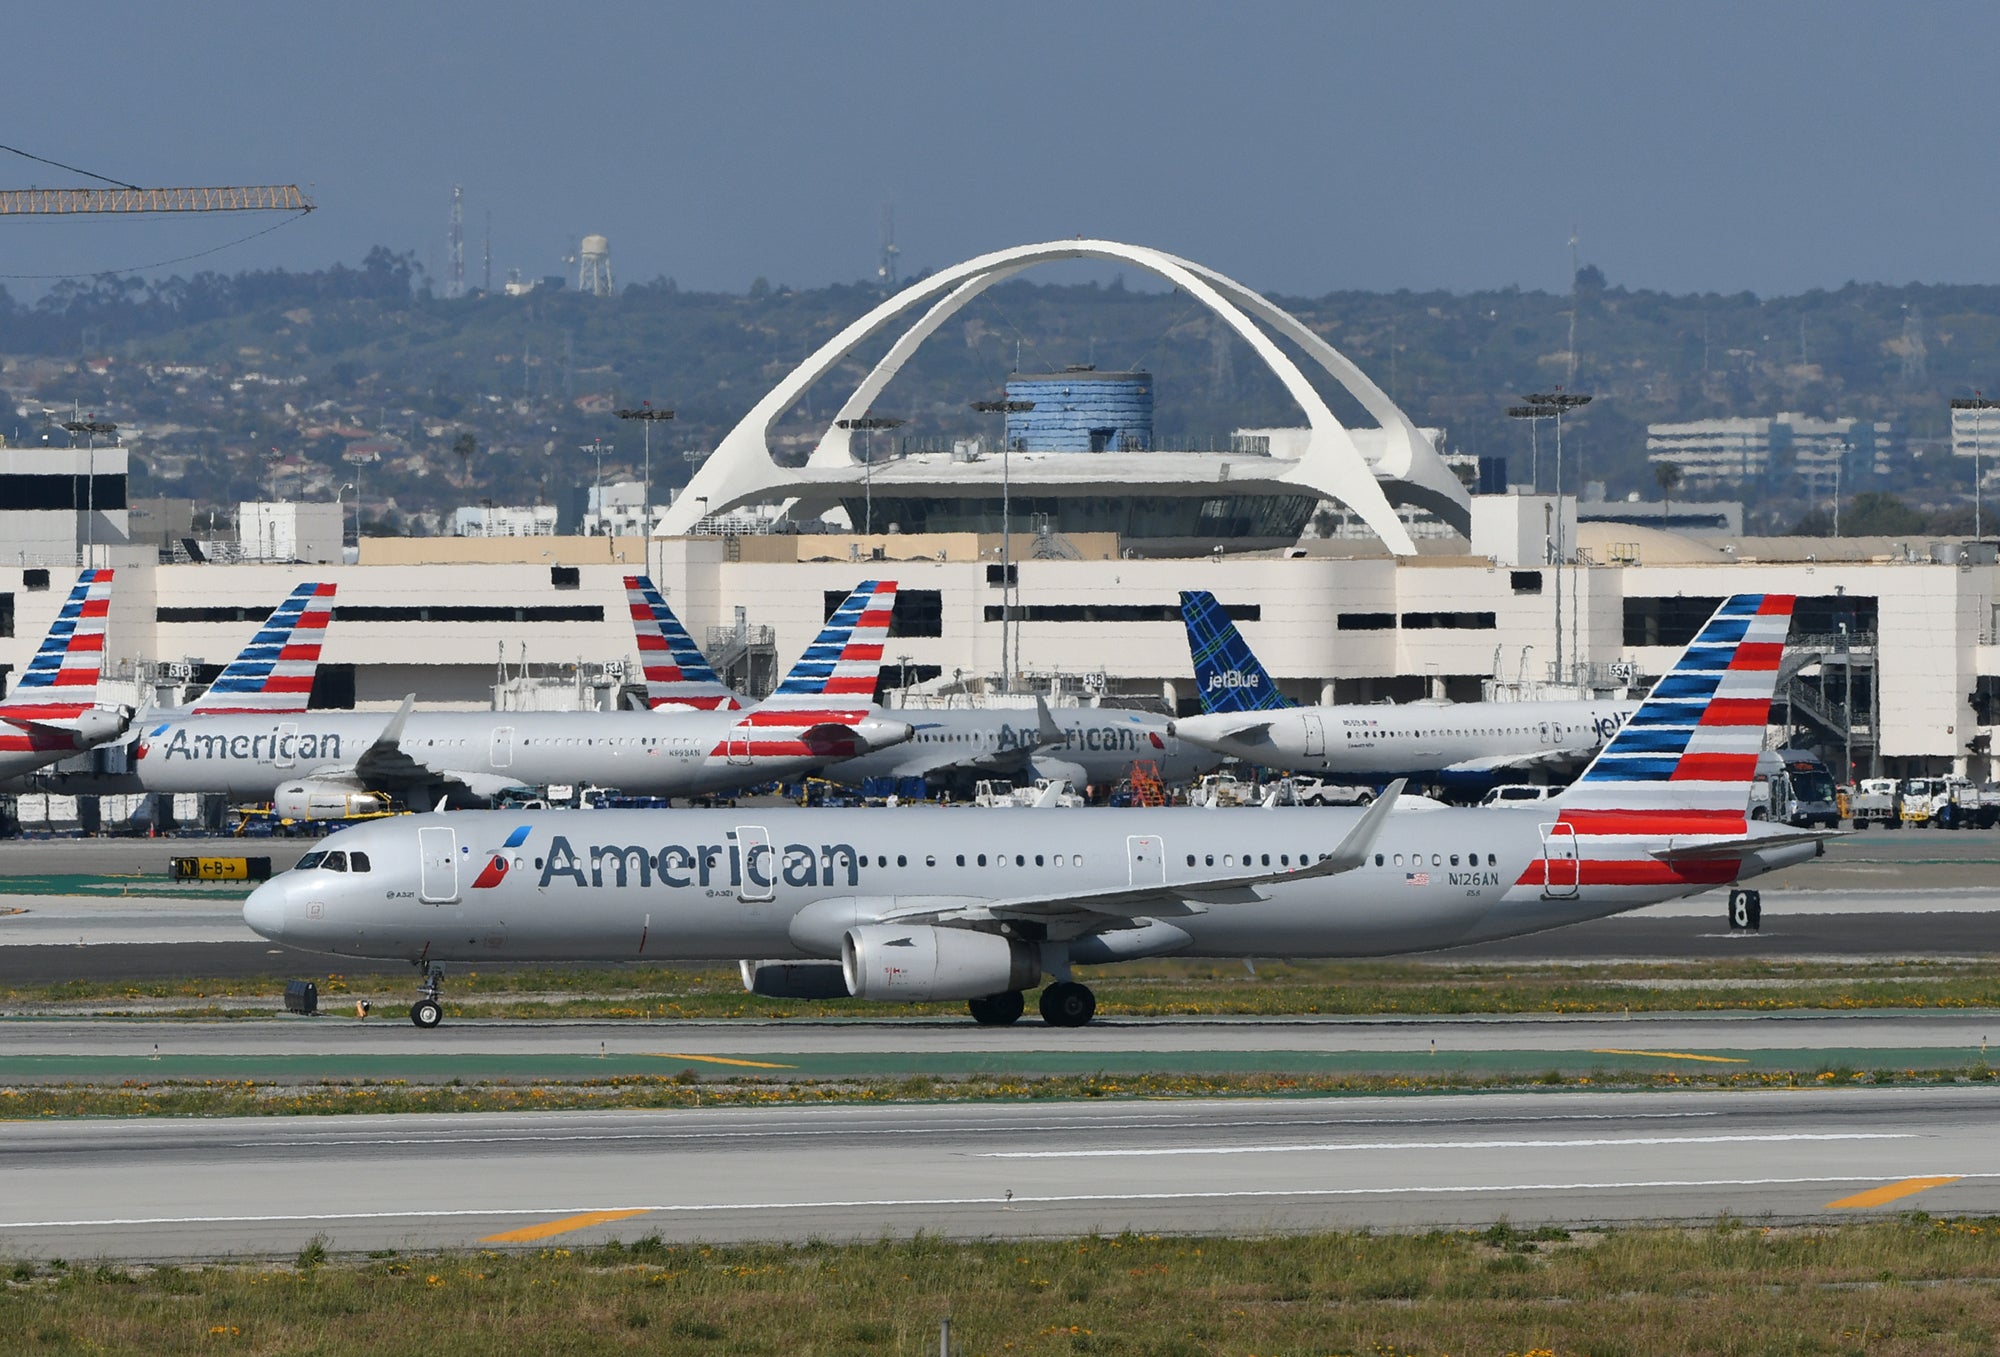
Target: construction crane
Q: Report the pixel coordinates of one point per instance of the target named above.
(59, 201)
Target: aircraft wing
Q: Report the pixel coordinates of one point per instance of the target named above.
(384, 766)
(1496, 763)
(1117, 906)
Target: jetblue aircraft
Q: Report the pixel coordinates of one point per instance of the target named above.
(326, 764)
(1468, 744)
(53, 711)
(937, 905)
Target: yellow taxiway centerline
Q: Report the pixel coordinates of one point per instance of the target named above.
(1677, 1055)
(549, 1228)
(723, 1060)
(1889, 1192)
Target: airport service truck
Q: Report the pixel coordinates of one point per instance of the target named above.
(1950, 802)
(1876, 801)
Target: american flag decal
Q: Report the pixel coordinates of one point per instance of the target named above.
(1416, 878)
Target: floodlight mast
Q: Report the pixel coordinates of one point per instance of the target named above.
(1980, 405)
(1007, 665)
(868, 424)
(90, 428)
(1559, 402)
(648, 414)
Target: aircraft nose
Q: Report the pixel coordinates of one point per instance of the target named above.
(265, 910)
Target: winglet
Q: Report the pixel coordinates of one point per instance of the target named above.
(1047, 732)
(392, 734)
(1227, 676)
(1360, 840)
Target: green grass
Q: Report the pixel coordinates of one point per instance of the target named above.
(1139, 989)
(1911, 1285)
(693, 1088)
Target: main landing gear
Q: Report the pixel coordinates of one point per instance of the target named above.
(1064, 1004)
(428, 1011)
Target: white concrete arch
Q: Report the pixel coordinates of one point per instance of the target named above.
(741, 470)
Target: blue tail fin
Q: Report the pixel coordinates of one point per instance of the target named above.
(1227, 676)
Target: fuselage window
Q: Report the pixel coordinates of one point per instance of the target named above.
(931, 861)
(1209, 859)
(902, 861)
(1435, 862)
(1399, 859)
(358, 862)
(1265, 860)
(1020, 859)
(881, 861)
(1190, 859)
(982, 859)
(1038, 859)
(1378, 859)
(538, 864)
(1492, 861)
(1454, 859)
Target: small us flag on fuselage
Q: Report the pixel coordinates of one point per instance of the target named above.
(1416, 878)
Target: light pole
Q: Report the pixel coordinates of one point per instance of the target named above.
(868, 424)
(1563, 401)
(1534, 414)
(1004, 408)
(596, 448)
(90, 428)
(1980, 405)
(649, 416)
(357, 516)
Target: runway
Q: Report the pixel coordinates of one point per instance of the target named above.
(138, 1190)
(387, 1047)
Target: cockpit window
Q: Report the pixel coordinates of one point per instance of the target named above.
(310, 861)
(334, 862)
(358, 862)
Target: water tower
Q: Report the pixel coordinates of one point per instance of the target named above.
(593, 269)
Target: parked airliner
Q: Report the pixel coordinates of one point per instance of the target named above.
(1461, 744)
(327, 764)
(53, 711)
(942, 905)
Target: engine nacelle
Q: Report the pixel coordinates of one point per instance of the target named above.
(318, 799)
(98, 725)
(794, 979)
(914, 964)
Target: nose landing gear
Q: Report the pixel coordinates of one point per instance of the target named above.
(428, 1011)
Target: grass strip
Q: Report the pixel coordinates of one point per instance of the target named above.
(1141, 989)
(1909, 1285)
(690, 1088)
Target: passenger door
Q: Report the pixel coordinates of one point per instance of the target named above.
(1315, 737)
(502, 754)
(282, 754)
(1562, 872)
(754, 841)
(437, 851)
(1146, 860)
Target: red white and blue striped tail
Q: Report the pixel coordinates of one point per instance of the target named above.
(677, 673)
(66, 667)
(1692, 746)
(275, 671)
(846, 659)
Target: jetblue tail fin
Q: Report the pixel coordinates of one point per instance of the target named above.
(275, 672)
(846, 658)
(1692, 746)
(677, 673)
(66, 668)
(1227, 677)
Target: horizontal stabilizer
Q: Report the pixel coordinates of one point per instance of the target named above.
(1736, 848)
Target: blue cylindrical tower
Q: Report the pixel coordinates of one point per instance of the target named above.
(1082, 410)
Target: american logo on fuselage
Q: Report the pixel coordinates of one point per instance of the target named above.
(290, 744)
(730, 863)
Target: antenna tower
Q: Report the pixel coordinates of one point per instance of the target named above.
(487, 285)
(455, 282)
(886, 270)
(1572, 306)
(1914, 352)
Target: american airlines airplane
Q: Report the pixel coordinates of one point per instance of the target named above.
(952, 746)
(938, 905)
(328, 764)
(1472, 744)
(53, 711)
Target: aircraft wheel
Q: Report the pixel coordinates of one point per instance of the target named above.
(998, 1010)
(1068, 1004)
(426, 1013)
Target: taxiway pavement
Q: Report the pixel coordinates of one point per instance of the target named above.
(148, 1189)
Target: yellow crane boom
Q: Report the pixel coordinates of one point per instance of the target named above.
(258, 197)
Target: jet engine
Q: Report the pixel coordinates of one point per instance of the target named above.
(795, 979)
(318, 799)
(884, 961)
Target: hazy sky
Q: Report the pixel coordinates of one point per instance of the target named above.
(1300, 147)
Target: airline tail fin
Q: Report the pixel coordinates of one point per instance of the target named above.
(846, 658)
(275, 672)
(1227, 677)
(66, 668)
(677, 673)
(1692, 746)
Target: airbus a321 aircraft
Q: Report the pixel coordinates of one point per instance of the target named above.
(53, 711)
(326, 765)
(1463, 744)
(929, 905)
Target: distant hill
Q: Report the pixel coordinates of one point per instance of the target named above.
(217, 370)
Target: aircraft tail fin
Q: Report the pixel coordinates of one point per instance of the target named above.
(845, 660)
(677, 673)
(275, 672)
(1227, 677)
(66, 667)
(1690, 752)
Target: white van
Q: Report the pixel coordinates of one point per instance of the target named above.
(1517, 793)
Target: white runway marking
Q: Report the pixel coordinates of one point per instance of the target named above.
(1018, 1200)
(1141, 1153)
